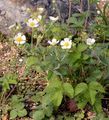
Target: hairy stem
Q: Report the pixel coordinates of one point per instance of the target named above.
(70, 9)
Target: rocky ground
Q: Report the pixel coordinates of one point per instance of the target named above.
(10, 13)
(15, 11)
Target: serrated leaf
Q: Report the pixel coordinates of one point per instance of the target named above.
(19, 106)
(54, 83)
(82, 47)
(96, 86)
(85, 57)
(38, 115)
(31, 61)
(13, 114)
(7, 80)
(81, 87)
(48, 111)
(22, 113)
(82, 104)
(68, 90)
(96, 74)
(12, 81)
(92, 96)
(73, 57)
(98, 105)
(49, 76)
(57, 98)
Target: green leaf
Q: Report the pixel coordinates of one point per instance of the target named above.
(85, 57)
(96, 86)
(98, 105)
(93, 94)
(31, 61)
(37, 97)
(50, 73)
(57, 98)
(82, 103)
(93, 88)
(22, 113)
(48, 111)
(73, 57)
(19, 105)
(5, 86)
(68, 90)
(54, 83)
(47, 99)
(12, 79)
(82, 47)
(94, 75)
(7, 80)
(13, 114)
(38, 115)
(80, 88)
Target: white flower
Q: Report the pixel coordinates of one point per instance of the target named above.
(32, 23)
(17, 27)
(54, 1)
(90, 41)
(98, 12)
(20, 60)
(39, 17)
(54, 19)
(19, 39)
(40, 9)
(53, 42)
(66, 43)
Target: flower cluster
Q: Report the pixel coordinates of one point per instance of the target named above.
(65, 44)
(90, 41)
(32, 23)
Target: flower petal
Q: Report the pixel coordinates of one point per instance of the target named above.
(23, 37)
(22, 42)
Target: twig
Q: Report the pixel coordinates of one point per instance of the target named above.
(10, 92)
(105, 98)
(70, 9)
(88, 11)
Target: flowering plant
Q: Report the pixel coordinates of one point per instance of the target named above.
(64, 60)
(60, 67)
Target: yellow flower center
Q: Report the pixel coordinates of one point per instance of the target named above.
(32, 24)
(66, 44)
(19, 39)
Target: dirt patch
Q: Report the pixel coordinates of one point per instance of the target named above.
(7, 55)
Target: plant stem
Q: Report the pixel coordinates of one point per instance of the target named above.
(66, 53)
(2, 96)
(58, 11)
(70, 8)
(47, 29)
(32, 39)
(102, 14)
(87, 16)
(10, 93)
(36, 40)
